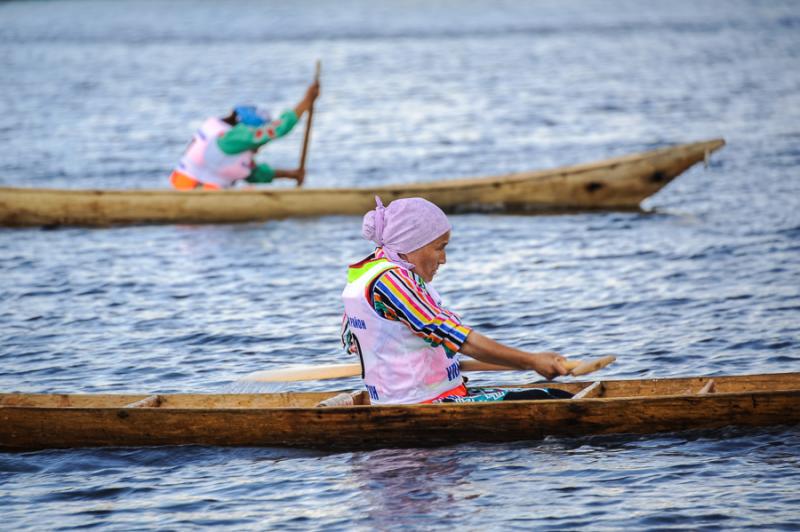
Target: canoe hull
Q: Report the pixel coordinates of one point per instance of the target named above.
(344, 428)
(240, 422)
(621, 183)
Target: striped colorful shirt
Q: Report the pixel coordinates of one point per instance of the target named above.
(401, 295)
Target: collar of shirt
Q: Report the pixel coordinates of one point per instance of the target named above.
(380, 254)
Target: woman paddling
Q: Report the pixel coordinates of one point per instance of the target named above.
(395, 322)
(222, 152)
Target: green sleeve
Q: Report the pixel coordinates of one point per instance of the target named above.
(282, 125)
(262, 173)
(242, 138)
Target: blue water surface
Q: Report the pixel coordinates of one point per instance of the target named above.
(706, 281)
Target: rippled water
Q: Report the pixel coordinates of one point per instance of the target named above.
(106, 94)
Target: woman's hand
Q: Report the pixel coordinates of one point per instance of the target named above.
(297, 174)
(549, 364)
(312, 93)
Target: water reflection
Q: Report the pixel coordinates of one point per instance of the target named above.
(412, 483)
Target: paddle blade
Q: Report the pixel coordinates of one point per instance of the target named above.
(589, 366)
(305, 373)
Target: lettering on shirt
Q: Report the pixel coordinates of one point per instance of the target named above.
(373, 392)
(356, 323)
(453, 371)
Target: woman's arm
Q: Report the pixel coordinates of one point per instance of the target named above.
(547, 363)
(242, 137)
(397, 296)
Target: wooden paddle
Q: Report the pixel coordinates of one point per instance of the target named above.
(577, 367)
(337, 371)
(304, 151)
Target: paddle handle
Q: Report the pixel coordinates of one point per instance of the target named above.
(338, 371)
(307, 135)
(470, 364)
(574, 367)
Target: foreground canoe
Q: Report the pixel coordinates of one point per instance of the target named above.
(621, 183)
(31, 421)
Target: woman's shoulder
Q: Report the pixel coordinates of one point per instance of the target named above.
(398, 279)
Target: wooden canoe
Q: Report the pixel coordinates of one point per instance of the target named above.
(31, 421)
(621, 183)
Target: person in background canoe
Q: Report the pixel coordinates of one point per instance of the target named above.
(222, 151)
(395, 321)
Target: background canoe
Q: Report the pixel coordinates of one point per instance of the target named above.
(31, 421)
(620, 183)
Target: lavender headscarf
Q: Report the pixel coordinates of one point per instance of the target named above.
(404, 226)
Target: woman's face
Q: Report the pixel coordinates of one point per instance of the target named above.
(426, 260)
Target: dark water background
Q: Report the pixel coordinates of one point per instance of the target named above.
(106, 94)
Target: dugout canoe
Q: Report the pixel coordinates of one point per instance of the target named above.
(39, 421)
(621, 183)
